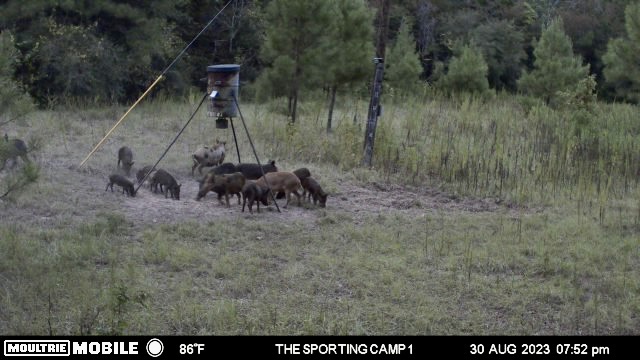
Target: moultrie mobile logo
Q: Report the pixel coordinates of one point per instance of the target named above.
(37, 348)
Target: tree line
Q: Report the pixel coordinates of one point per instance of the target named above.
(110, 50)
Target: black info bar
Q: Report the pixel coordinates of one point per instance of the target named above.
(384, 347)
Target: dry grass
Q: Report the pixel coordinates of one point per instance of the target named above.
(385, 256)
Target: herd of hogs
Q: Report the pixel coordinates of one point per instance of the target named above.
(253, 183)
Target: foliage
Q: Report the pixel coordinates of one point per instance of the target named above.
(349, 58)
(467, 72)
(14, 101)
(622, 71)
(556, 68)
(402, 63)
(295, 44)
(125, 39)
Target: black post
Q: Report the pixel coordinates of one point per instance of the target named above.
(374, 112)
(235, 139)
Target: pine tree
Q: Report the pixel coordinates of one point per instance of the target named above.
(467, 72)
(622, 69)
(403, 67)
(556, 68)
(349, 57)
(295, 45)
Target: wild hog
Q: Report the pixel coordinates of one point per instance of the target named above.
(143, 172)
(302, 174)
(208, 156)
(254, 193)
(126, 156)
(127, 186)
(253, 172)
(226, 168)
(11, 149)
(171, 186)
(226, 184)
(281, 181)
(312, 187)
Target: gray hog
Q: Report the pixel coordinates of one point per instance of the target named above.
(12, 149)
(127, 186)
(126, 156)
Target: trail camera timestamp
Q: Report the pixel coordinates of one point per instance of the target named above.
(538, 349)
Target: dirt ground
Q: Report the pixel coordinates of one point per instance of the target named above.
(67, 191)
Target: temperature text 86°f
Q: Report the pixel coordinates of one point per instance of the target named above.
(189, 349)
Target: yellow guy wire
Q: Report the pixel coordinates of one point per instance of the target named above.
(121, 119)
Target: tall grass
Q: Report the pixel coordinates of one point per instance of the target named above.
(557, 257)
(473, 146)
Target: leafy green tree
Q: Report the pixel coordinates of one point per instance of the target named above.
(295, 44)
(622, 69)
(14, 101)
(126, 39)
(467, 72)
(349, 57)
(502, 46)
(403, 67)
(556, 68)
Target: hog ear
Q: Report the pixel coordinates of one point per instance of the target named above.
(272, 162)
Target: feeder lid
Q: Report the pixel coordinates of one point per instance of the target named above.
(223, 68)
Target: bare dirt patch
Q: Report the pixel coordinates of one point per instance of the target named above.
(76, 194)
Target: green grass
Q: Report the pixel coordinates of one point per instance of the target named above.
(558, 255)
(486, 273)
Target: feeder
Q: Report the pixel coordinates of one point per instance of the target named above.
(223, 85)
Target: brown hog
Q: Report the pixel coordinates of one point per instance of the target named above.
(312, 187)
(227, 184)
(281, 181)
(127, 186)
(254, 193)
(302, 174)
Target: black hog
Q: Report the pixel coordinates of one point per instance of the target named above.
(143, 172)
(313, 189)
(126, 156)
(171, 186)
(253, 172)
(11, 150)
(254, 193)
(227, 184)
(127, 186)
